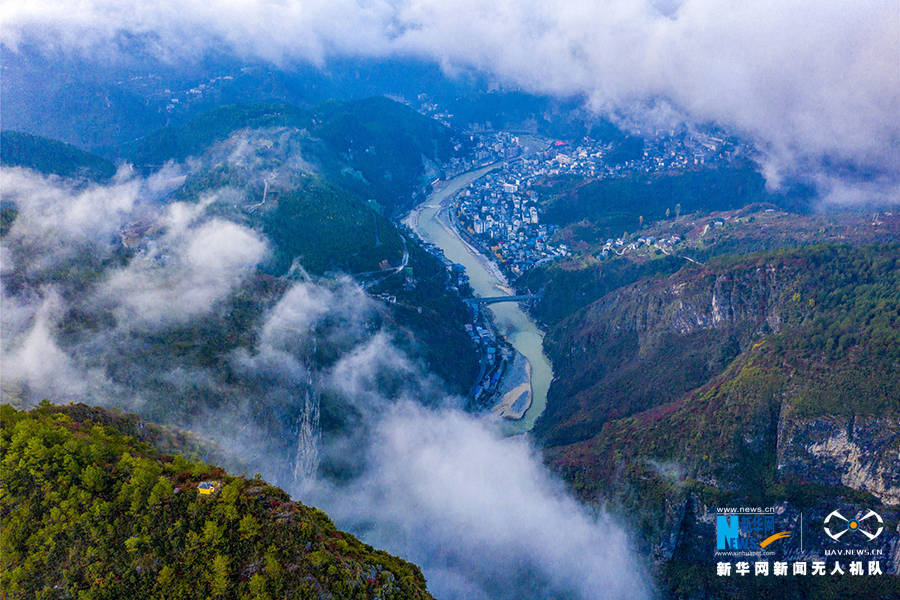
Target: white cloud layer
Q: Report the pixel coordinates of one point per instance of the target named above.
(186, 274)
(33, 358)
(479, 513)
(192, 263)
(805, 79)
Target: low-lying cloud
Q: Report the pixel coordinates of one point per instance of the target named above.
(808, 81)
(479, 513)
(186, 273)
(34, 359)
(120, 312)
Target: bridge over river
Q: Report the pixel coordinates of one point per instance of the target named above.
(496, 299)
(430, 221)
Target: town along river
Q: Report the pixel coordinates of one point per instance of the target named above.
(431, 222)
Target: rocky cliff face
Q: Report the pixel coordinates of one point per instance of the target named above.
(741, 441)
(698, 298)
(797, 407)
(860, 452)
(650, 342)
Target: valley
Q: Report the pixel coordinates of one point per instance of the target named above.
(243, 270)
(430, 222)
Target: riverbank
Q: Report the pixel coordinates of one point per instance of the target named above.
(430, 221)
(447, 222)
(515, 391)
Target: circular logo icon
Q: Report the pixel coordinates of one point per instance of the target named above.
(837, 525)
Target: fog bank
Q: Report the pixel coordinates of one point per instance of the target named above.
(147, 310)
(811, 83)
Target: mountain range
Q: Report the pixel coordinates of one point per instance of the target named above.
(249, 281)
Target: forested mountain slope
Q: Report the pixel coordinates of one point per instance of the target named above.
(48, 156)
(650, 342)
(759, 380)
(376, 148)
(90, 512)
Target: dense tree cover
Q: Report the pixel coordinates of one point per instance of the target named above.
(178, 142)
(52, 157)
(651, 342)
(615, 205)
(384, 143)
(167, 440)
(328, 230)
(831, 368)
(375, 147)
(89, 512)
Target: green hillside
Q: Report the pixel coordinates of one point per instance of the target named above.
(178, 142)
(836, 356)
(385, 144)
(650, 342)
(730, 443)
(305, 217)
(593, 271)
(375, 148)
(90, 512)
(52, 157)
(756, 380)
(328, 230)
(742, 440)
(616, 205)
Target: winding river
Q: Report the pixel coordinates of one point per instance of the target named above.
(430, 221)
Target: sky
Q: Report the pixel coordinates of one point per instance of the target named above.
(811, 83)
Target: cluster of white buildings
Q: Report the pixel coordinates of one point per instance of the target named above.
(620, 247)
(501, 216)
